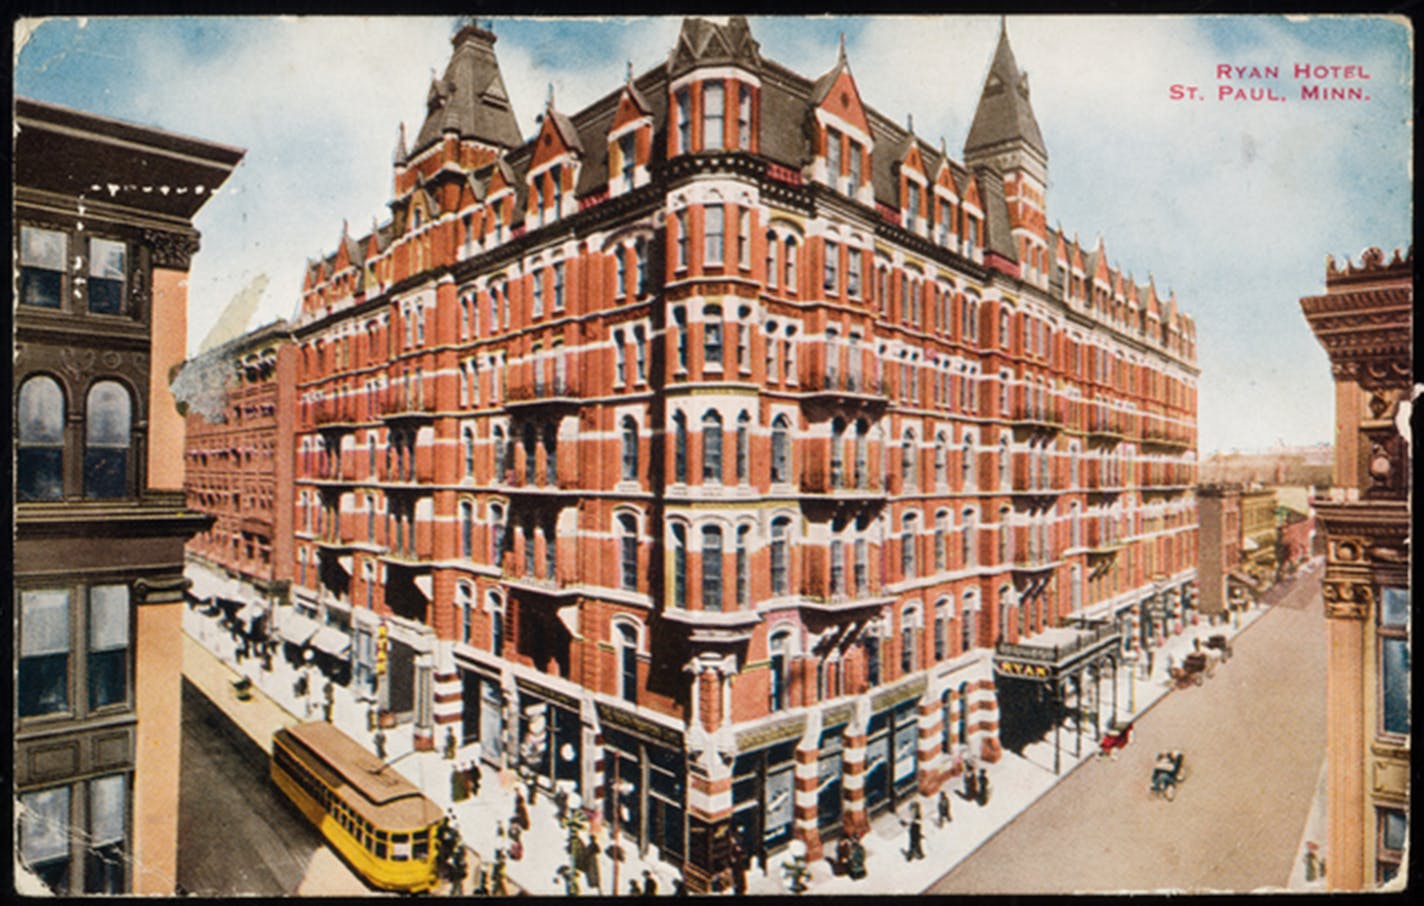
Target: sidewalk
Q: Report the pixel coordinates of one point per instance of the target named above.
(1016, 782)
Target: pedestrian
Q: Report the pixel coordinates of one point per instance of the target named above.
(370, 718)
(857, 859)
(971, 784)
(679, 887)
(916, 832)
(944, 812)
(650, 886)
(449, 744)
(498, 887)
(841, 865)
(561, 804)
(588, 864)
(983, 787)
(521, 813)
(516, 842)
(459, 785)
(1149, 664)
(473, 777)
(381, 744)
(633, 889)
(328, 696)
(738, 859)
(458, 874)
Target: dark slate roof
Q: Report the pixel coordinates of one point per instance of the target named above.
(702, 42)
(470, 99)
(998, 237)
(1004, 113)
(566, 131)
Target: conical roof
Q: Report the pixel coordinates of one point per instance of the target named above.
(470, 99)
(1004, 113)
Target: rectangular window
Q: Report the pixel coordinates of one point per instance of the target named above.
(44, 836)
(744, 238)
(620, 358)
(1394, 670)
(856, 167)
(716, 228)
(853, 273)
(1392, 835)
(833, 157)
(832, 266)
(105, 854)
(42, 684)
(712, 347)
(640, 353)
(42, 257)
(683, 240)
(537, 295)
(108, 645)
(559, 286)
(640, 250)
(913, 204)
(680, 321)
(744, 119)
(684, 121)
(713, 113)
(106, 276)
(628, 157)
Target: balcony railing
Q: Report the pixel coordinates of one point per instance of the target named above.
(552, 391)
(397, 402)
(870, 384)
(336, 411)
(819, 478)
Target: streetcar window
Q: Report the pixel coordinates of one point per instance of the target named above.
(381, 844)
(420, 851)
(400, 847)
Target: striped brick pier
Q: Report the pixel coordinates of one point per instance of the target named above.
(930, 754)
(854, 818)
(805, 825)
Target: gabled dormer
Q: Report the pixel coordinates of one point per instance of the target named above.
(553, 168)
(944, 202)
(498, 220)
(912, 184)
(630, 140)
(714, 88)
(843, 140)
(972, 219)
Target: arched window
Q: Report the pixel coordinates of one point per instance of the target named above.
(967, 478)
(711, 568)
(941, 540)
(1004, 463)
(712, 447)
(941, 462)
(627, 644)
(1006, 536)
(679, 567)
(469, 438)
(679, 426)
(911, 622)
(108, 417)
(501, 455)
(743, 446)
(970, 553)
(627, 552)
(496, 609)
(780, 556)
(630, 449)
(467, 529)
(791, 251)
(969, 632)
(465, 601)
(772, 266)
(744, 584)
(39, 454)
(862, 454)
(944, 609)
(909, 529)
(908, 460)
(779, 649)
(497, 536)
(780, 450)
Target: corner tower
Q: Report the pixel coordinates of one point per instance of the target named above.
(1004, 136)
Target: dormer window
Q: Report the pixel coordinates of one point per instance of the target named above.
(912, 192)
(971, 228)
(415, 219)
(744, 118)
(856, 166)
(684, 121)
(556, 179)
(713, 114)
(626, 150)
(833, 157)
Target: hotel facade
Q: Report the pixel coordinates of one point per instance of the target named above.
(730, 451)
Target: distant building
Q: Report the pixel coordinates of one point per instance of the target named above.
(240, 402)
(1258, 535)
(100, 323)
(1363, 320)
(1295, 537)
(1222, 585)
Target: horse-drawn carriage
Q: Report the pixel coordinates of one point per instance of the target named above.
(1195, 667)
(1220, 643)
(1116, 737)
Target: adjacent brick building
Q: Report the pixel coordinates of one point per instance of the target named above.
(1363, 320)
(240, 402)
(102, 252)
(711, 448)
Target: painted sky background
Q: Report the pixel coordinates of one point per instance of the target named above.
(1233, 206)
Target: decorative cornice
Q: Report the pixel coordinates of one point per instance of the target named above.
(1346, 599)
(1372, 266)
(170, 250)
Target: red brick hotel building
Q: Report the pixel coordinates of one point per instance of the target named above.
(731, 451)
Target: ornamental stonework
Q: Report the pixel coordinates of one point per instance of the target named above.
(1347, 599)
(174, 251)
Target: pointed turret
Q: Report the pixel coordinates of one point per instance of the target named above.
(401, 154)
(1004, 117)
(470, 100)
(703, 42)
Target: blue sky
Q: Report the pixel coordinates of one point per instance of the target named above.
(1234, 206)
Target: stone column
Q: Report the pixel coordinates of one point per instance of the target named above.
(807, 801)
(449, 692)
(855, 820)
(423, 735)
(1347, 605)
(931, 730)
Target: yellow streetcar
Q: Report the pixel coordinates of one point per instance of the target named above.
(378, 821)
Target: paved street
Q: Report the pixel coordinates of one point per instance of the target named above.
(236, 834)
(1254, 737)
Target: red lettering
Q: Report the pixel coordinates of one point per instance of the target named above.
(1223, 70)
